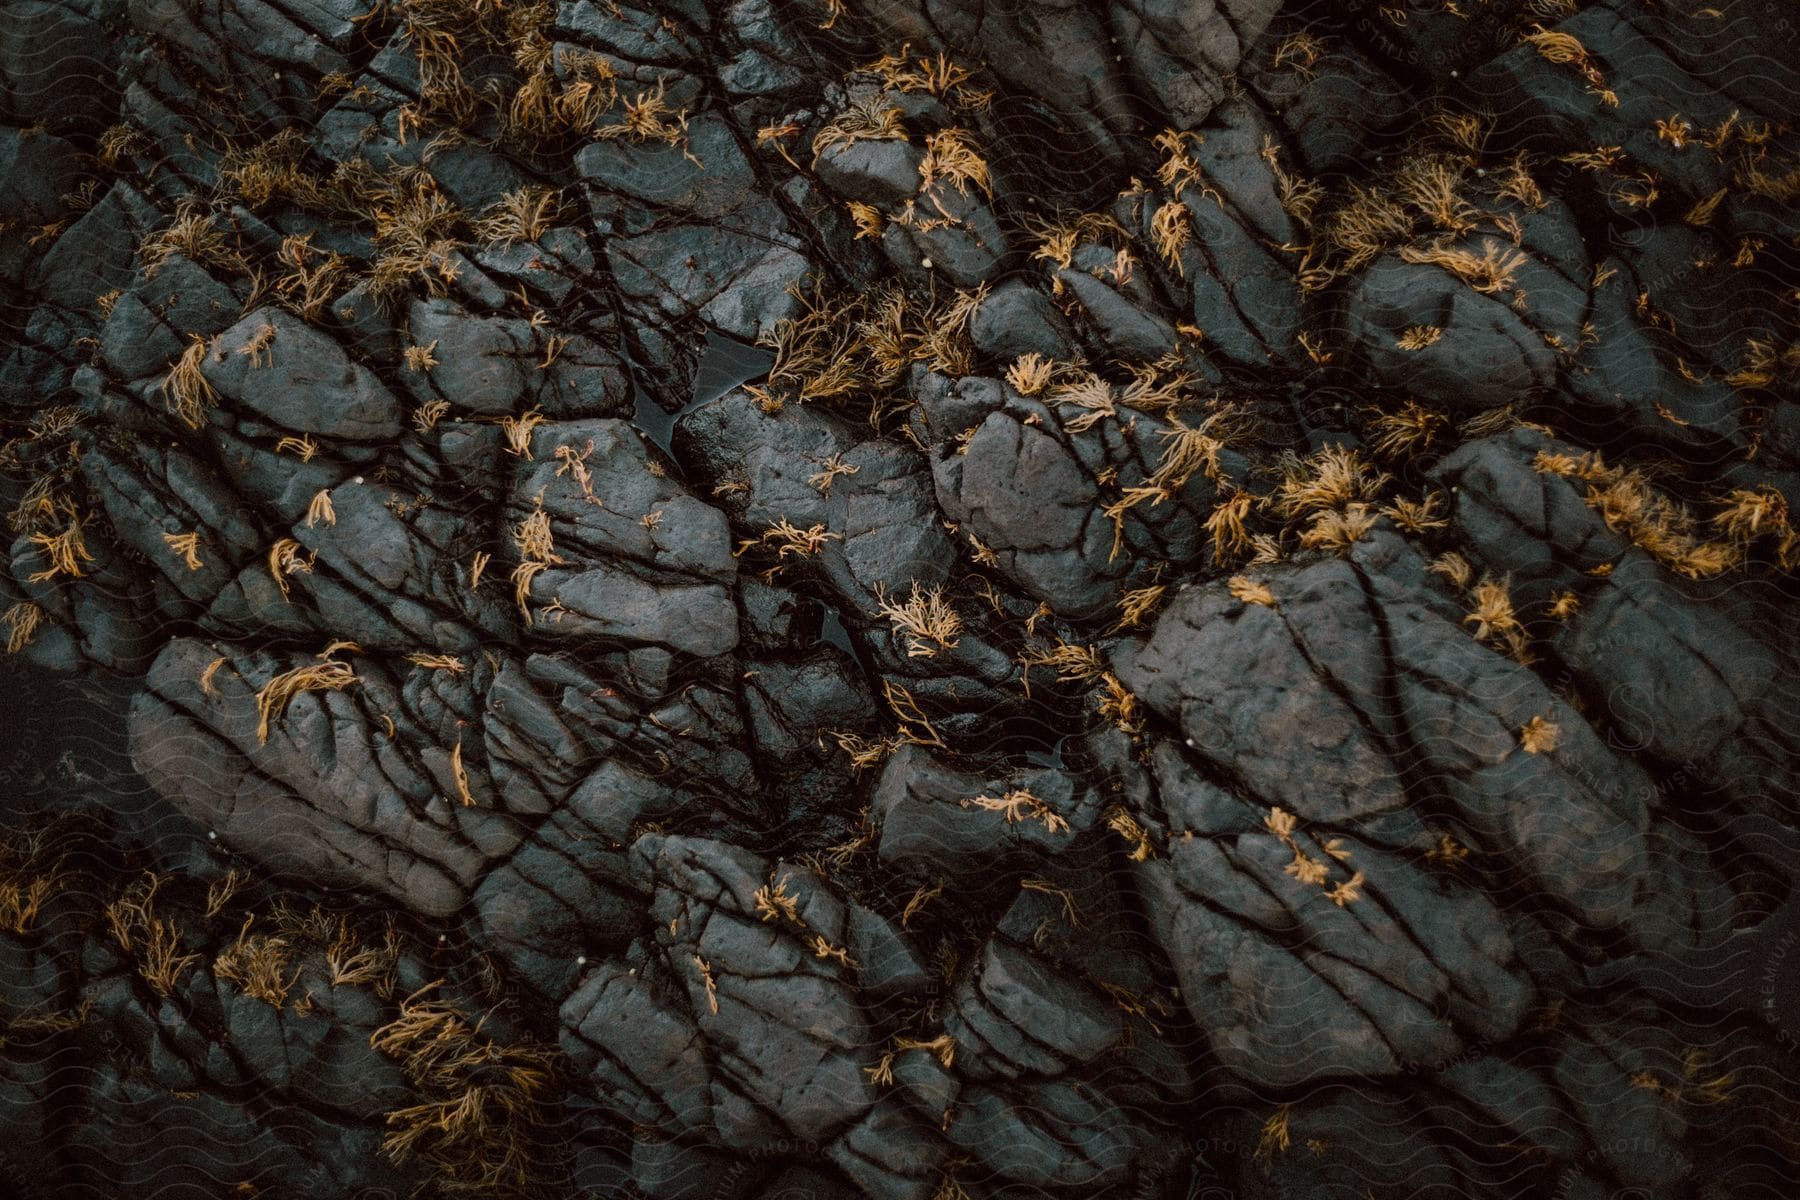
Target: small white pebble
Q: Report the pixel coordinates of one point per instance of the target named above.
(926, 263)
(212, 836)
(1481, 171)
(581, 960)
(358, 479)
(440, 937)
(1454, 75)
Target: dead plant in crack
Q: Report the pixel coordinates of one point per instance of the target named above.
(1018, 805)
(1030, 373)
(1314, 871)
(1333, 478)
(835, 467)
(191, 235)
(1275, 1136)
(320, 510)
(537, 554)
(951, 157)
(1337, 530)
(1226, 525)
(1538, 735)
(788, 539)
(62, 552)
(478, 1123)
(354, 964)
(1488, 272)
(185, 389)
(1494, 618)
(915, 726)
(647, 117)
(776, 902)
(927, 620)
(258, 965)
(524, 215)
(1126, 826)
(285, 559)
(21, 621)
(273, 697)
(30, 875)
(1072, 663)
(872, 119)
(942, 1047)
(1746, 514)
(152, 941)
(1660, 525)
(1406, 432)
(1250, 591)
(312, 278)
(1136, 604)
(187, 545)
(518, 431)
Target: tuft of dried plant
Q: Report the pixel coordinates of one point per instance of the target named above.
(927, 620)
(273, 697)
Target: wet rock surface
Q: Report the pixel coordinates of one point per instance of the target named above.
(701, 599)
